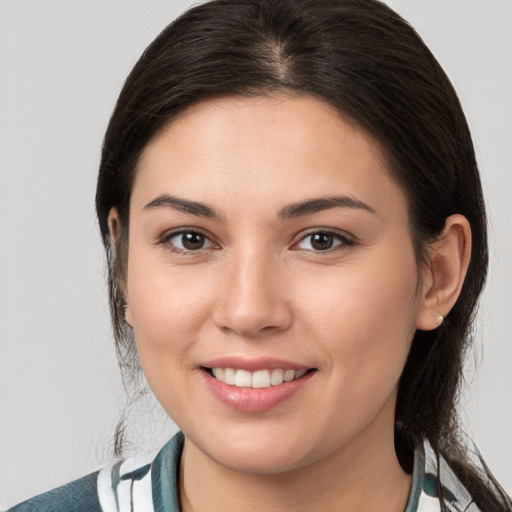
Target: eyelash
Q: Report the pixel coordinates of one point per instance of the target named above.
(165, 240)
(345, 242)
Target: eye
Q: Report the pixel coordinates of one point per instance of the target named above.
(187, 241)
(322, 241)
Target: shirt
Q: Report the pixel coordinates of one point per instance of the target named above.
(139, 485)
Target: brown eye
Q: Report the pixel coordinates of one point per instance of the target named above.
(192, 241)
(188, 241)
(322, 241)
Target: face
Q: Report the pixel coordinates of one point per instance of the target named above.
(271, 281)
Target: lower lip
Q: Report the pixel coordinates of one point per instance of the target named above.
(255, 399)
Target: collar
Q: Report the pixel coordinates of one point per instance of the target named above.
(154, 486)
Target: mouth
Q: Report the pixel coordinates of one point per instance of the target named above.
(260, 379)
(254, 385)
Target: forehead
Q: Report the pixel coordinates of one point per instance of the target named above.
(264, 147)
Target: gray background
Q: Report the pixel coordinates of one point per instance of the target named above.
(62, 63)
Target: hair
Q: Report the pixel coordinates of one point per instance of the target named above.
(365, 60)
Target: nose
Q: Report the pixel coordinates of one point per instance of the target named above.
(252, 297)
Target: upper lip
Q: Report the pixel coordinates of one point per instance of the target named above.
(253, 365)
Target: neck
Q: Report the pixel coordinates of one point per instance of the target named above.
(362, 475)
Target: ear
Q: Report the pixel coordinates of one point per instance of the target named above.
(442, 281)
(114, 227)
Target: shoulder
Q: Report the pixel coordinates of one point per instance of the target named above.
(77, 496)
(141, 484)
(435, 485)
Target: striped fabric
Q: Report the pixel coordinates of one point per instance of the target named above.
(151, 485)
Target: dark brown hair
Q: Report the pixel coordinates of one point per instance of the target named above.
(362, 58)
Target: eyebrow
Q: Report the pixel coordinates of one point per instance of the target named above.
(324, 203)
(290, 211)
(184, 205)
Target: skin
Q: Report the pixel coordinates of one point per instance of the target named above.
(258, 287)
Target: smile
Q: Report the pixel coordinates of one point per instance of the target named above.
(256, 387)
(259, 379)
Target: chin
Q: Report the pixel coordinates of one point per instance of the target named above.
(272, 462)
(258, 449)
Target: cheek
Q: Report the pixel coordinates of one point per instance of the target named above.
(168, 309)
(167, 305)
(364, 327)
(381, 292)
(365, 319)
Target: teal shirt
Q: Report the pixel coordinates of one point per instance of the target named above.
(134, 486)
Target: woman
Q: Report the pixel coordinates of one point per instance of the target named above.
(293, 217)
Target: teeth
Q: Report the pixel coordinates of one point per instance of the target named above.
(259, 379)
(300, 373)
(218, 373)
(289, 375)
(229, 376)
(277, 377)
(243, 379)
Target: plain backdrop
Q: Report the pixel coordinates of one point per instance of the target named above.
(62, 64)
